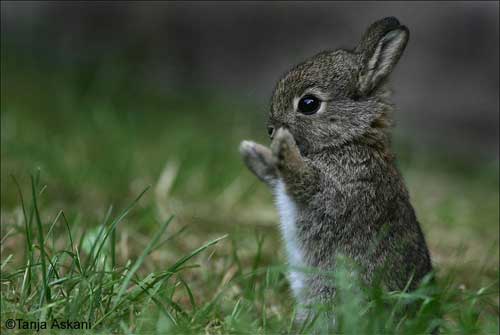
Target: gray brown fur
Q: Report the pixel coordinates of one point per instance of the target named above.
(338, 166)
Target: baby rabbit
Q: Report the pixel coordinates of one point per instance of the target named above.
(330, 166)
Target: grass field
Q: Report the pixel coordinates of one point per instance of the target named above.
(199, 251)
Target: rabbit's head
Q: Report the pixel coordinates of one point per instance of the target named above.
(338, 96)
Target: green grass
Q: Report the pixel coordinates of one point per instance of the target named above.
(81, 240)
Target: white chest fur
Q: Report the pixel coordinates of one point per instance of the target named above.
(288, 216)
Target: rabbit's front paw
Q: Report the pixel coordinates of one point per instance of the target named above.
(284, 148)
(259, 160)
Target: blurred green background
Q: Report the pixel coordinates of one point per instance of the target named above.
(101, 129)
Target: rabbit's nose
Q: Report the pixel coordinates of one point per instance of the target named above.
(270, 131)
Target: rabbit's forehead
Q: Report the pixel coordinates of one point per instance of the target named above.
(333, 73)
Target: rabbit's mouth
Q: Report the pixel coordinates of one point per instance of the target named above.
(301, 144)
(302, 147)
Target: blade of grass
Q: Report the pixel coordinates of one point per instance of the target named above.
(52, 226)
(5, 262)
(115, 223)
(189, 293)
(140, 260)
(179, 263)
(75, 254)
(26, 286)
(90, 261)
(46, 288)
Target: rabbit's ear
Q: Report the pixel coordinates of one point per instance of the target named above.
(380, 49)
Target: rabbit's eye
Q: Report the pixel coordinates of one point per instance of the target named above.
(309, 104)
